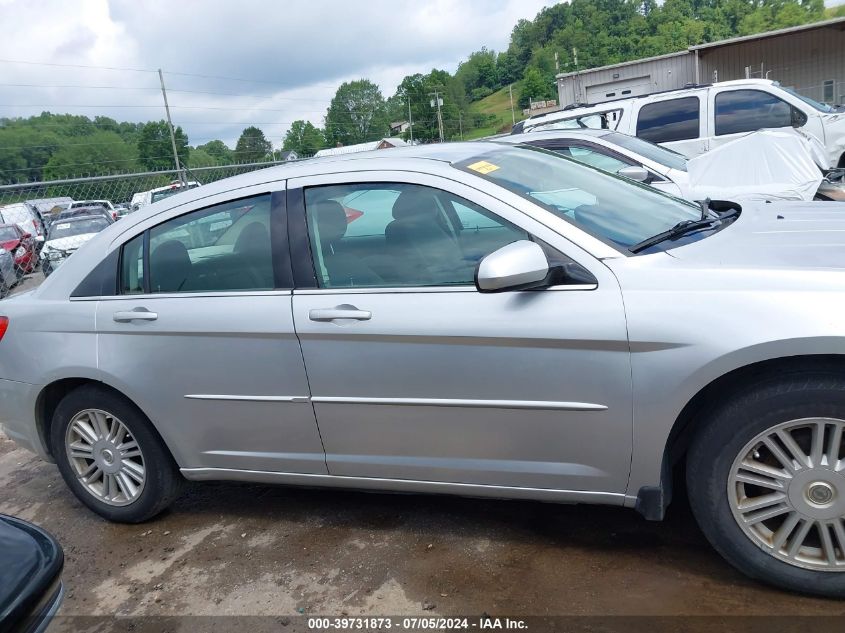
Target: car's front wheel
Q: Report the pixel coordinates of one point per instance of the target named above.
(111, 457)
(766, 481)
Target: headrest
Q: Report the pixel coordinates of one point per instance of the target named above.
(331, 220)
(254, 237)
(170, 266)
(412, 204)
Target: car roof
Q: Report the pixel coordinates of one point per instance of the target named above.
(78, 218)
(410, 158)
(574, 111)
(90, 207)
(553, 134)
(8, 225)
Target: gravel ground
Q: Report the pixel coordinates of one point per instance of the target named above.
(231, 549)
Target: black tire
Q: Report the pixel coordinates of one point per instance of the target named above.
(717, 444)
(163, 482)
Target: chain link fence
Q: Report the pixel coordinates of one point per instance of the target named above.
(44, 223)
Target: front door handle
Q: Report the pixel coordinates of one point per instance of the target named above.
(138, 314)
(340, 312)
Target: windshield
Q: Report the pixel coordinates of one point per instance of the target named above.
(78, 227)
(608, 207)
(821, 107)
(7, 234)
(648, 150)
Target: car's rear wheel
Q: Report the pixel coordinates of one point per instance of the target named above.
(111, 457)
(766, 480)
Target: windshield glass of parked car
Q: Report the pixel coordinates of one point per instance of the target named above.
(651, 151)
(7, 234)
(821, 107)
(77, 227)
(608, 207)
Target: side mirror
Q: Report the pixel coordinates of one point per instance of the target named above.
(518, 266)
(640, 174)
(26, 235)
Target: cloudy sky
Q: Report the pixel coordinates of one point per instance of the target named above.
(263, 63)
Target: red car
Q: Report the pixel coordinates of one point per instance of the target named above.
(20, 245)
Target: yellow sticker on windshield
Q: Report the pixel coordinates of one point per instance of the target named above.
(483, 167)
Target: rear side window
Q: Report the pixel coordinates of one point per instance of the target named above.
(750, 110)
(670, 120)
(221, 248)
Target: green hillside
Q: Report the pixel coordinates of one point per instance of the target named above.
(497, 104)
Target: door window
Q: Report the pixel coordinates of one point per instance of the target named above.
(132, 266)
(389, 235)
(750, 110)
(220, 248)
(669, 120)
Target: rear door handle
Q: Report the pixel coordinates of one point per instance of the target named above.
(138, 314)
(339, 312)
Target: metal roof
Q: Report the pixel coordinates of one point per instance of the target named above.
(759, 36)
(735, 40)
(621, 64)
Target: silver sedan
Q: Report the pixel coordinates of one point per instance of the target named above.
(477, 319)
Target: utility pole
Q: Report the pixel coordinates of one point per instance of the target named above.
(513, 116)
(577, 75)
(410, 120)
(438, 101)
(461, 124)
(179, 173)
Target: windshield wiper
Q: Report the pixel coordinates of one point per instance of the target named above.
(683, 227)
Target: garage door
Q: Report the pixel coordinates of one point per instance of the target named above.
(619, 89)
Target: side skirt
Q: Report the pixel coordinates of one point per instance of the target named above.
(407, 485)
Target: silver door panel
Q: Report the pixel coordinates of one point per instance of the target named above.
(557, 362)
(222, 377)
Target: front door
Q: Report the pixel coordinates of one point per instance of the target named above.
(417, 376)
(201, 337)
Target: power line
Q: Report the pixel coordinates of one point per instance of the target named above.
(196, 92)
(148, 70)
(29, 63)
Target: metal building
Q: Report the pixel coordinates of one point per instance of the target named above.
(809, 58)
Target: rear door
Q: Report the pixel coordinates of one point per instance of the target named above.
(678, 123)
(736, 112)
(201, 336)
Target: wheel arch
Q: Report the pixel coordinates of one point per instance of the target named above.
(652, 501)
(53, 393)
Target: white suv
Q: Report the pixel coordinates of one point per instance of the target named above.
(694, 120)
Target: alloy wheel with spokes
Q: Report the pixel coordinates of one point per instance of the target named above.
(105, 457)
(786, 490)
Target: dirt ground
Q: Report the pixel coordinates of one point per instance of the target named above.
(231, 549)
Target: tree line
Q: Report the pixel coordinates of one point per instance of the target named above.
(564, 37)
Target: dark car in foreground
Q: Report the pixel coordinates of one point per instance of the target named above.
(31, 564)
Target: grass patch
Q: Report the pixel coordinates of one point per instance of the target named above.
(496, 105)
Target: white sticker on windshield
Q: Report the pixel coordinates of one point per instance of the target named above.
(65, 225)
